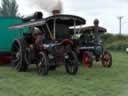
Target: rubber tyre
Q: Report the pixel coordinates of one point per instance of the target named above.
(87, 59)
(43, 66)
(71, 64)
(107, 59)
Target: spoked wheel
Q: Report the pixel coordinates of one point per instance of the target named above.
(43, 66)
(18, 60)
(87, 59)
(107, 59)
(71, 63)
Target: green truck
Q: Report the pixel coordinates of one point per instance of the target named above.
(7, 36)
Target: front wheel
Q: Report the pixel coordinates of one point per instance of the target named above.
(43, 66)
(107, 59)
(71, 63)
(87, 59)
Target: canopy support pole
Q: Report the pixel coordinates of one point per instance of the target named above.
(50, 33)
(80, 28)
(74, 27)
(54, 29)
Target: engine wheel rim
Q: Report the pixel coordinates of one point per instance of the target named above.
(42, 65)
(27, 56)
(16, 55)
(86, 60)
(106, 59)
(71, 63)
(71, 66)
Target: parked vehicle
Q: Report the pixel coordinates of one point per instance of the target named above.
(55, 49)
(91, 48)
(7, 37)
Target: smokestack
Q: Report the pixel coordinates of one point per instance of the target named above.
(52, 6)
(56, 12)
(36, 16)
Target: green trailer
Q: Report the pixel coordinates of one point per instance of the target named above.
(7, 36)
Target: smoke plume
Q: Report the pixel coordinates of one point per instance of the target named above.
(48, 5)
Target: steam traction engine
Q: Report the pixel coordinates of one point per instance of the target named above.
(55, 49)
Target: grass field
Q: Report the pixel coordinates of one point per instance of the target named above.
(97, 81)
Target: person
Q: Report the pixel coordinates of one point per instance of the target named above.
(37, 45)
(38, 37)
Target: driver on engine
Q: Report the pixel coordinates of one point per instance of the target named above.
(38, 37)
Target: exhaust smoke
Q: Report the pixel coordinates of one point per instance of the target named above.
(48, 5)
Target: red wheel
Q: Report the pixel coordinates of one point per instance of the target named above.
(87, 59)
(107, 59)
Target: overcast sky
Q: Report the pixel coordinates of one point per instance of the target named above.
(106, 11)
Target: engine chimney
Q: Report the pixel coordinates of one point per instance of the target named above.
(56, 12)
(36, 16)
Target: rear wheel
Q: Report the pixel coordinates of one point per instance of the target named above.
(18, 56)
(107, 59)
(71, 63)
(43, 66)
(87, 59)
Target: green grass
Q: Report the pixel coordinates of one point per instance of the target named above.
(97, 81)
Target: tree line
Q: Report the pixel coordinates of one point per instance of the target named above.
(9, 8)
